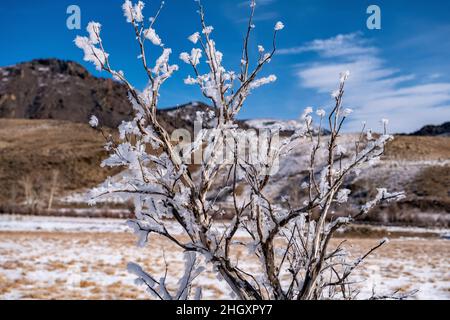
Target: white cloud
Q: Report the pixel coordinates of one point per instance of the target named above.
(340, 45)
(374, 90)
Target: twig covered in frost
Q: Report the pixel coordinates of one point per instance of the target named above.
(159, 288)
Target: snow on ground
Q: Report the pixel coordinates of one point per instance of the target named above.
(78, 224)
(78, 258)
(60, 224)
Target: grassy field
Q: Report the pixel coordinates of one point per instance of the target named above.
(60, 261)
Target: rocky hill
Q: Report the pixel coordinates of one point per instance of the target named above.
(46, 147)
(60, 90)
(50, 89)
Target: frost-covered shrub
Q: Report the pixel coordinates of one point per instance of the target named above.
(292, 247)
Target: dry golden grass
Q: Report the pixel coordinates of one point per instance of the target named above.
(39, 265)
(34, 148)
(411, 148)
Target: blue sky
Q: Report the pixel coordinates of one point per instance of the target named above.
(400, 72)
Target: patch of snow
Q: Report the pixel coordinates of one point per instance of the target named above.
(288, 125)
(60, 224)
(43, 69)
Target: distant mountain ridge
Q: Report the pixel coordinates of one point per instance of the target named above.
(64, 90)
(439, 130)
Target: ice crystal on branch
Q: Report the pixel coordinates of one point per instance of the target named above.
(279, 26)
(93, 122)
